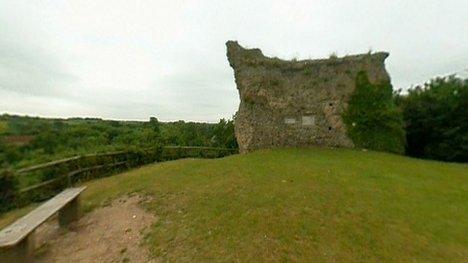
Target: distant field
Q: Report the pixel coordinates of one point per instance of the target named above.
(321, 204)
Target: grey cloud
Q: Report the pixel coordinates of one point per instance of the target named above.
(135, 59)
(27, 72)
(28, 68)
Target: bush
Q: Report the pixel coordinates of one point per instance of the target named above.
(372, 119)
(8, 153)
(8, 190)
(436, 118)
(224, 135)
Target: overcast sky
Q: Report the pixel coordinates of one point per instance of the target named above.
(136, 59)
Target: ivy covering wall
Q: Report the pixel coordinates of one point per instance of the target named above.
(372, 119)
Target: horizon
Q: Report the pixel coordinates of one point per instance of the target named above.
(458, 75)
(131, 61)
(106, 119)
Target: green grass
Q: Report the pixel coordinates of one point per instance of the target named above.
(300, 204)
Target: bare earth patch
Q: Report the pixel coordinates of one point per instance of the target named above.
(110, 234)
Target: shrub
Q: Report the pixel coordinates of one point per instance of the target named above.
(8, 190)
(8, 153)
(372, 119)
(436, 119)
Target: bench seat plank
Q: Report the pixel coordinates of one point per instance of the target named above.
(16, 232)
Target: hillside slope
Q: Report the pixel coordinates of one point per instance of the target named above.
(296, 204)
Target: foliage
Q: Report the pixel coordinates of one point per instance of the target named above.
(43, 140)
(223, 135)
(8, 153)
(8, 189)
(372, 119)
(335, 205)
(3, 127)
(59, 138)
(436, 117)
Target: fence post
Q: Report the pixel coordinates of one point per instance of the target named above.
(69, 180)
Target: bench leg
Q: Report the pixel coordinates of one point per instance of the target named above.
(70, 212)
(21, 253)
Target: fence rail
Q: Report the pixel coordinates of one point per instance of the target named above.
(66, 160)
(74, 158)
(62, 173)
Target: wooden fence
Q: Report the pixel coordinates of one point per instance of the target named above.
(59, 174)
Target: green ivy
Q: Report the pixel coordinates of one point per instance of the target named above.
(372, 119)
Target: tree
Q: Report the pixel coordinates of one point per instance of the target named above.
(3, 127)
(154, 123)
(223, 134)
(436, 119)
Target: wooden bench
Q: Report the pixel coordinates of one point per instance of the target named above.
(17, 240)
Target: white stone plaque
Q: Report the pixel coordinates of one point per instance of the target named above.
(308, 120)
(289, 120)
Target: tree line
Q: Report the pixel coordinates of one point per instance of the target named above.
(29, 140)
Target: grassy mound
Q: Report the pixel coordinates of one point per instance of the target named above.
(296, 204)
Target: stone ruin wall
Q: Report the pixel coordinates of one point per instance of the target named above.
(296, 103)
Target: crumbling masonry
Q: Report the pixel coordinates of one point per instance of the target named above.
(296, 103)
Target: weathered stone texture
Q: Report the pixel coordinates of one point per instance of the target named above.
(296, 103)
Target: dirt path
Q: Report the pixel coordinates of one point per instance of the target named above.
(109, 234)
